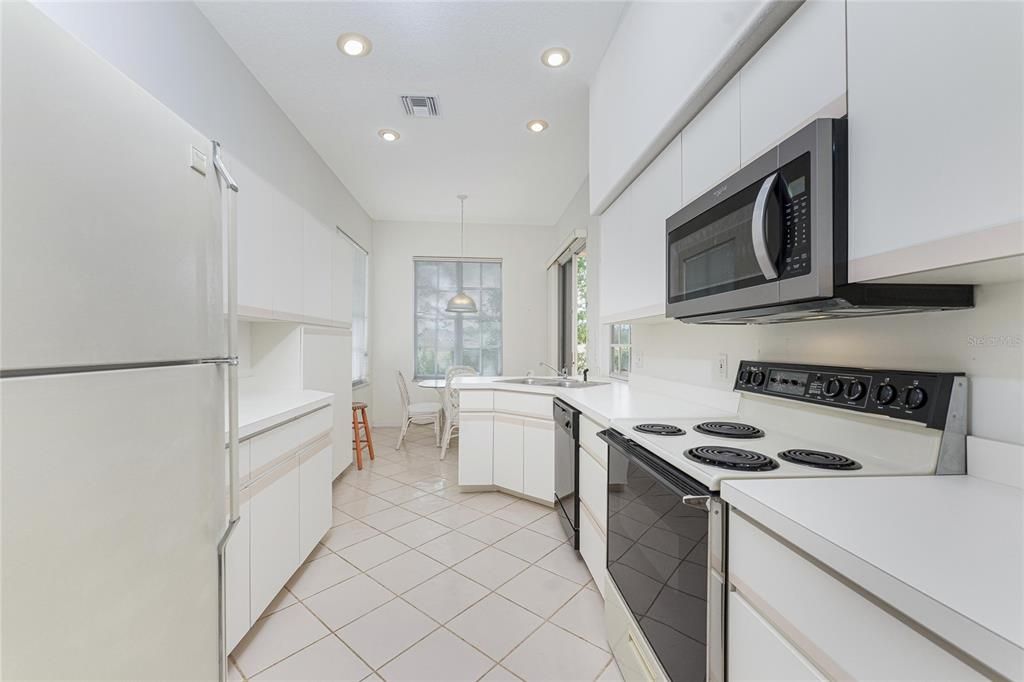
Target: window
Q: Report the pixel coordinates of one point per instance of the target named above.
(446, 339)
(620, 350)
(360, 320)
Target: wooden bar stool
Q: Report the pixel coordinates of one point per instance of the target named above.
(359, 420)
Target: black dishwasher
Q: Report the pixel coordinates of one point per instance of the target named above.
(567, 460)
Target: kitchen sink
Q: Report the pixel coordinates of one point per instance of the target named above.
(561, 383)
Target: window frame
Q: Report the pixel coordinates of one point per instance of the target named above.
(358, 250)
(459, 318)
(613, 371)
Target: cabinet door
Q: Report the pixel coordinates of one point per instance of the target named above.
(342, 253)
(797, 76)
(286, 272)
(274, 513)
(317, 244)
(594, 548)
(315, 477)
(539, 459)
(711, 143)
(616, 267)
(936, 104)
(758, 652)
(594, 487)
(256, 260)
(508, 452)
(476, 449)
(237, 616)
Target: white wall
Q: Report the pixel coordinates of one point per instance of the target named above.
(985, 343)
(171, 50)
(523, 249)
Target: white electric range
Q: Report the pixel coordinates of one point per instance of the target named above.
(667, 526)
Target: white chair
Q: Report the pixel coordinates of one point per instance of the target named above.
(417, 413)
(450, 404)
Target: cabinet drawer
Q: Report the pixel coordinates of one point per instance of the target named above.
(476, 400)
(589, 440)
(529, 404)
(759, 651)
(801, 601)
(267, 447)
(593, 548)
(633, 654)
(594, 488)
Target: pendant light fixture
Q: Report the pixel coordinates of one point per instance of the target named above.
(461, 302)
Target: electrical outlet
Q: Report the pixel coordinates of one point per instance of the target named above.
(638, 359)
(723, 366)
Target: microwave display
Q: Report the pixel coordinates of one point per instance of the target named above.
(796, 187)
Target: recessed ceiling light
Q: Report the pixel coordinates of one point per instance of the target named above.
(388, 135)
(537, 126)
(555, 57)
(354, 44)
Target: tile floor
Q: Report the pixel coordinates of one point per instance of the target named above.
(420, 581)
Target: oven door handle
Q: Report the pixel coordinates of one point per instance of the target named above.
(759, 229)
(699, 501)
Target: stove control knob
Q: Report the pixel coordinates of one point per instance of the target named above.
(914, 397)
(885, 394)
(757, 379)
(833, 387)
(855, 390)
(745, 376)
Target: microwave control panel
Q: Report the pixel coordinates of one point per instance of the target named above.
(921, 397)
(795, 259)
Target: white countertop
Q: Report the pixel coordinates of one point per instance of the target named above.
(612, 400)
(944, 550)
(258, 411)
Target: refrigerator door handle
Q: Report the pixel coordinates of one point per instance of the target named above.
(230, 209)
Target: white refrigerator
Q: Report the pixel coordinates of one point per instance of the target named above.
(115, 360)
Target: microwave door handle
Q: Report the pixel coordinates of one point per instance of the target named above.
(759, 229)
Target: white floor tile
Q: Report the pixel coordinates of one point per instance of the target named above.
(433, 484)
(494, 625)
(455, 494)
(339, 517)
(385, 468)
(364, 507)
(386, 632)
(340, 605)
(328, 660)
(583, 616)
(369, 553)
(378, 484)
(553, 654)
(406, 571)
(499, 674)
(527, 545)
(491, 567)
(276, 637)
(440, 656)
(318, 575)
(427, 504)
(489, 529)
(550, 525)
(611, 673)
(401, 494)
(489, 502)
(452, 548)
(417, 532)
(539, 591)
(283, 600)
(522, 512)
(445, 595)
(456, 516)
(344, 493)
(348, 534)
(389, 518)
(566, 562)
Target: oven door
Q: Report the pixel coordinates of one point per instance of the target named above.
(658, 521)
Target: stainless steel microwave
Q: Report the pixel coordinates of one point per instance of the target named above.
(770, 244)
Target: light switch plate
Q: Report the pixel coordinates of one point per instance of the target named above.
(198, 161)
(723, 366)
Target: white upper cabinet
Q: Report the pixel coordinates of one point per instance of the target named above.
(633, 241)
(286, 273)
(936, 119)
(342, 253)
(255, 239)
(317, 241)
(797, 76)
(711, 143)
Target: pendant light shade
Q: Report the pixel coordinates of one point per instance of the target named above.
(461, 302)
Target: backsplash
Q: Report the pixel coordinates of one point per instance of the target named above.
(984, 342)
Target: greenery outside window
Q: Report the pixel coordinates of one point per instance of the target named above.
(621, 351)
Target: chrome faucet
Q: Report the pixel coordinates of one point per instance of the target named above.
(563, 373)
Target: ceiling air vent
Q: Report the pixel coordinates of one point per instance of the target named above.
(420, 106)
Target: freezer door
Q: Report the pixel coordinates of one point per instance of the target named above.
(111, 241)
(113, 499)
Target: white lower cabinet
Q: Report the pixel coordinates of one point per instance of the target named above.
(508, 452)
(758, 652)
(594, 547)
(633, 655)
(315, 477)
(476, 449)
(274, 548)
(237, 617)
(539, 459)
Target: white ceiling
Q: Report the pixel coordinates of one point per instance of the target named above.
(482, 60)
